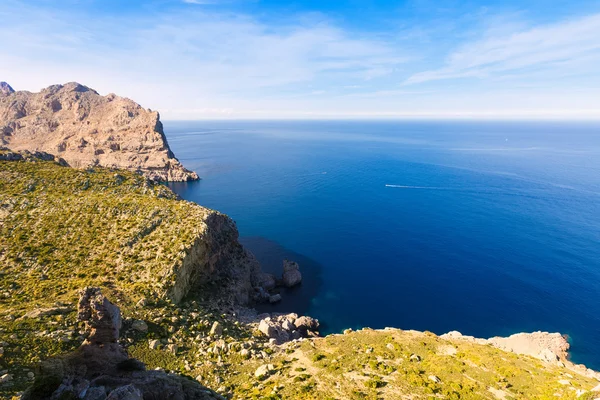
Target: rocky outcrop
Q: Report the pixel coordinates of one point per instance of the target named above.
(548, 347)
(102, 319)
(217, 256)
(543, 345)
(282, 328)
(101, 369)
(291, 273)
(86, 129)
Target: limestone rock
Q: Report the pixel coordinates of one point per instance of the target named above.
(264, 371)
(44, 312)
(275, 298)
(291, 273)
(86, 129)
(139, 326)
(306, 324)
(267, 281)
(216, 329)
(286, 327)
(545, 346)
(154, 344)
(101, 318)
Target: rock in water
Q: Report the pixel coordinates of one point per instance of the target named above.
(291, 273)
(86, 129)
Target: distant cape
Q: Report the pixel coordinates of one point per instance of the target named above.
(86, 129)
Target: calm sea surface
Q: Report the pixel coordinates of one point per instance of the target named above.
(485, 228)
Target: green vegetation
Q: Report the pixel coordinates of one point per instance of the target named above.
(62, 229)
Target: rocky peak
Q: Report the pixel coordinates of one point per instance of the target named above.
(5, 89)
(74, 122)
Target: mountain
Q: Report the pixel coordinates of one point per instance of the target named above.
(86, 129)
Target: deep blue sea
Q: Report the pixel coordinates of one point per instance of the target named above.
(486, 228)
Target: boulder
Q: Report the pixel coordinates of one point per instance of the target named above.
(267, 281)
(275, 298)
(216, 329)
(304, 324)
(291, 273)
(264, 371)
(273, 330)
(139, 326)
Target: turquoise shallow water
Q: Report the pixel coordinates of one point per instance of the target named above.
(486, 228)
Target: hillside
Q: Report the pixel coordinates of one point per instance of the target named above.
(181, 278)
(86, 129)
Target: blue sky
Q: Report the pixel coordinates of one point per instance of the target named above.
(207, 59)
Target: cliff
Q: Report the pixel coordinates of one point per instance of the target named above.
(86, 129)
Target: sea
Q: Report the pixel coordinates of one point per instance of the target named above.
(487, 228)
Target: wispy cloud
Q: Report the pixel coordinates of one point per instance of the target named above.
(200, 62)
(553, 47)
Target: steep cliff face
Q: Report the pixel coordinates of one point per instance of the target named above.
(217, 255)
(86, 129)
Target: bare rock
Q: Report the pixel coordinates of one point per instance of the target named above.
(139, 326)
(267, 281)
(44, 312)
(264, 371)
(127, 392)
(276, 298)
(549, 347)
(86, 129)
(216, 329)
(102, 319)
(291, 273)
(273, 330)
(304, 324)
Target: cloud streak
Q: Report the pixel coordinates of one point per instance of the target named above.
(202, 62)
(551, 47)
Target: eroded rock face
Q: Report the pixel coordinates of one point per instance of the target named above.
(86, 129)
(217, 255)
(101, 369)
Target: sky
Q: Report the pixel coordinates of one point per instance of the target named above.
(315, 59)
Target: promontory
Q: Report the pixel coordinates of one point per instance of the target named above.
(86, 129)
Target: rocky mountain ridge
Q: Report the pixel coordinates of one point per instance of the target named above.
(86, 129)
